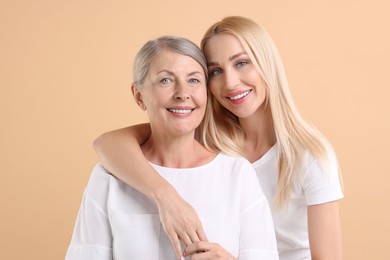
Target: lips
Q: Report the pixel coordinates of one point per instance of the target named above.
(180, 110)
(235, 97)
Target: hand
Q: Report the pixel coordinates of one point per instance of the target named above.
(203, 250)
(179, 221)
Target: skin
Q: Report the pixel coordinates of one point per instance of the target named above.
(203, 250)
(232, 74)
(178, 218)
(175, 95)
(237, 85)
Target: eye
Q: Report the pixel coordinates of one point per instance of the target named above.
(194, 81)
(215, 72)
(241, 63)
(166, 81)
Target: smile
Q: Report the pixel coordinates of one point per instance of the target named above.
(239, 96)
(180, 111)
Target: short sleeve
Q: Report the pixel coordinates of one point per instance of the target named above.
(322, 186)
(92, 237)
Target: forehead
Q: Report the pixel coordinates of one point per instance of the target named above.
(175, 62)
(220, 45)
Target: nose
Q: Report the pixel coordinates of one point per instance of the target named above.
(182, 91)
(231, 79)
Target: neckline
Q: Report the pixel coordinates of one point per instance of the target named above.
(189, 168)
(267, 156)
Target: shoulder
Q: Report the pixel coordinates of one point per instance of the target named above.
(99, 175)
(327, 165)
(322, 180)
(98, 184)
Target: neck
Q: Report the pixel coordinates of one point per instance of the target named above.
(259, 133)
(174, 151)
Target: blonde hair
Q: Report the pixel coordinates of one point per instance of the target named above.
(220, 129)
(294, 136)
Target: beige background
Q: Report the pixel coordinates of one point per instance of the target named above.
(65, 72)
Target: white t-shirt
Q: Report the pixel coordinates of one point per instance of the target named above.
(117, 222)
(315, 187)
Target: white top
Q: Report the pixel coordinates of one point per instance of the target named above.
(117, 222)
(315, 187)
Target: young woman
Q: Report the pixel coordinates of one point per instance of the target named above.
(117, 222)
(252, 105)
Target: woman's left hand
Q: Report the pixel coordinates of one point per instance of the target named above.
(203, 250)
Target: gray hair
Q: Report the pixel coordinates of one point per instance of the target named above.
(152, 48)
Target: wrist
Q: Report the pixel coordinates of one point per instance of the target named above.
(163, 193)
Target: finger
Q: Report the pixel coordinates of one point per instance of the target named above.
(185, 238)
(197, 234)
(197, 247)
(202, 256)
(193, 236)
(175, 244)
(201, 234)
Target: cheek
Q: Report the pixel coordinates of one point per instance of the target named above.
(214, 88)
(252, 75)
(257, 80)
(217, 96)
(262, 87)
(202, 96)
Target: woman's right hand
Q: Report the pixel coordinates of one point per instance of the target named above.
(206, 250)
(179, 220)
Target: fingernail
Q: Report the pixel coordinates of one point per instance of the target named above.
(182, 258)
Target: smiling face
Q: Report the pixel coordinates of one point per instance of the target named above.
(234, 80)
(174, 93)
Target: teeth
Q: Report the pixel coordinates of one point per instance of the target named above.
(180, 111)
(240, 95)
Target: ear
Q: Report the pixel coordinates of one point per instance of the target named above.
(138, 97)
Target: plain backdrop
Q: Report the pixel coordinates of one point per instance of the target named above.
(65, 74)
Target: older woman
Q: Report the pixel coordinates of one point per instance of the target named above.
(117, 221)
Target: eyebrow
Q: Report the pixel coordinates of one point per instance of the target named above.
(237, 55)
(172, 73)
(195, 72)
(164, 71)
(230, 59)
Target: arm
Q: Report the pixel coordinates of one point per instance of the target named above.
(323, 194)
(121, 154)
(92, 237)
(325, 231)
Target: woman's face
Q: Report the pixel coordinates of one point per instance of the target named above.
(174, 93)
(234, 80)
